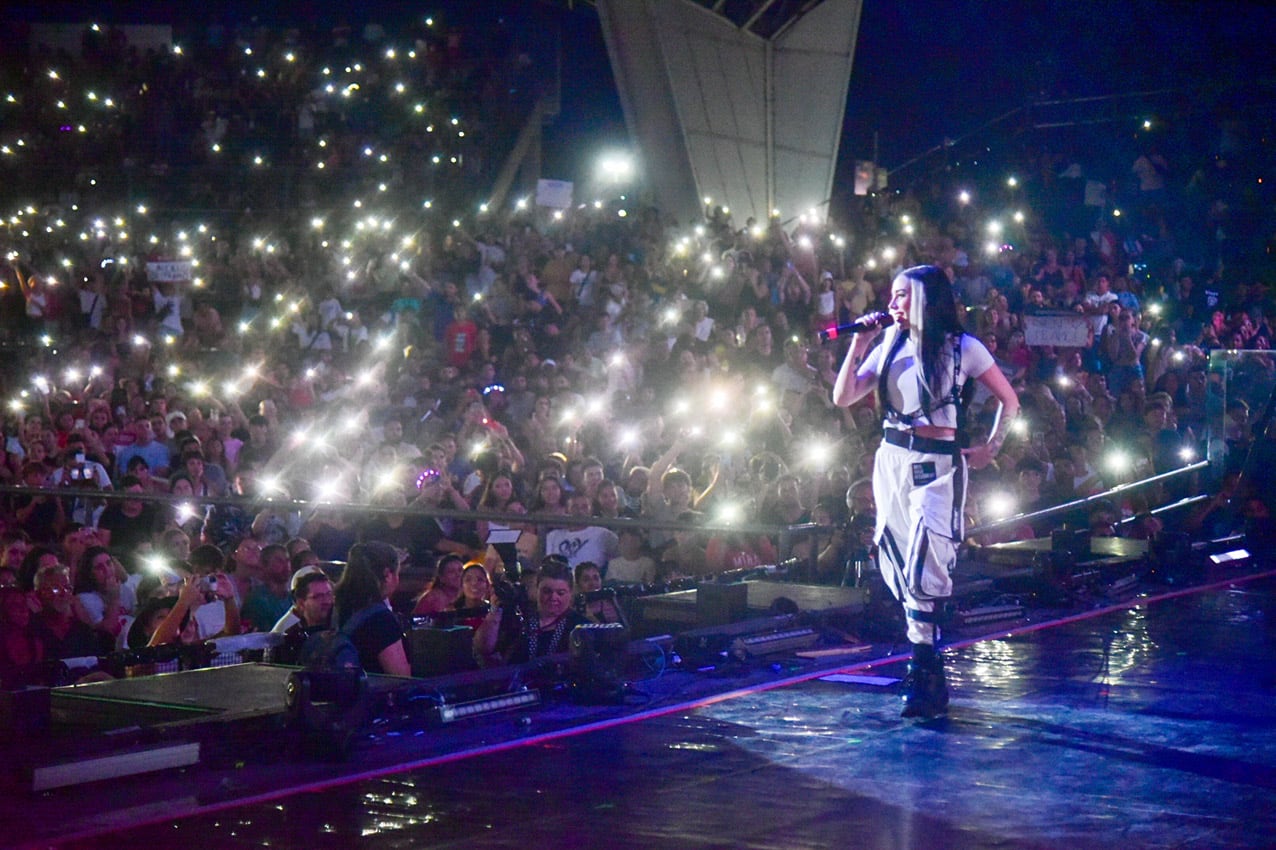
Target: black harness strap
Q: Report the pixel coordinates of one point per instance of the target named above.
(953, 396)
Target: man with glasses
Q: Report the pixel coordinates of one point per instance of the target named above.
(311, 611)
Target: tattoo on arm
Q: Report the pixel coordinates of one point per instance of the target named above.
(999, 431)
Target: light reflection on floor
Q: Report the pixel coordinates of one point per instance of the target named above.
(1143, 728)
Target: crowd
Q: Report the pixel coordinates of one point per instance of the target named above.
(317, 306)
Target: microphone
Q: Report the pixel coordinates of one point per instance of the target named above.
(873, 321)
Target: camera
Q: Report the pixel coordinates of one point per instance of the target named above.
(80, 472)
(512, 594)
(208, 584)
(509, 588)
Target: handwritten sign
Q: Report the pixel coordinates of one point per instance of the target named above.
(1065, 330)
(172, 271)
(555, 194)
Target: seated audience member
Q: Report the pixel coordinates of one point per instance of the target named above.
(476, 594)
(313, 599)
(105, 591)
(589, 580)
(60, 624)
(214, 620)
(422, 537)
(174, 548)
(737, 551)
(445, 588)
(36, 558)
(138, 468)
(312, 602)
(178, 624)
(77, 469)
(20, 650)
(299, 548)
(131, 522)
(14, 546)
(630, 564)
(607, 501)
(685, 556)
(544, 632)
(362, 608)
(269, 598)
(307, 566)
(580, 541)
(206, 479)
(41, 516)
(159, 582)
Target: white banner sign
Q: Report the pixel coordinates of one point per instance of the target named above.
(1066, 330)
(555, 194)
(172, 271)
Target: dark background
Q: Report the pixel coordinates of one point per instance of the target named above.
(924, 70)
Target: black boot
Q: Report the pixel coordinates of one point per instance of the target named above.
(925, 691)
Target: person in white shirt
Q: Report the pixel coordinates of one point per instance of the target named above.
(582, 542)
(1096, 304)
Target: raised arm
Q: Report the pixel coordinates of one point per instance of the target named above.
(850, 386)
(655, 488)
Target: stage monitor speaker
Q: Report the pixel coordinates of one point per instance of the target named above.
(1070, 541)
(441, 652)
(596, 669)
(721, 604)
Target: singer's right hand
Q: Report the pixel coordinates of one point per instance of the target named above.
(874, 321)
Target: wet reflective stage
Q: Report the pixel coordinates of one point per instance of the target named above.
(1149, 727)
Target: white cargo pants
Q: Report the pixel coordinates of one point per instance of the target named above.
(920, 499)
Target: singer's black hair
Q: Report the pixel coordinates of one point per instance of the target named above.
(938, 314)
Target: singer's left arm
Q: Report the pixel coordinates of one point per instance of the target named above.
(977, 457)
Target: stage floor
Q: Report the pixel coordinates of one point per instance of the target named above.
(1148, 727)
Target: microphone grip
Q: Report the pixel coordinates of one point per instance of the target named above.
(872, 321)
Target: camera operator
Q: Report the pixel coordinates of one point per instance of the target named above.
(543, 631)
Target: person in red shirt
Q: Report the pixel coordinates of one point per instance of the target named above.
(460, 338)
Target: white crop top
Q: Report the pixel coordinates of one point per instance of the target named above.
(904, 387)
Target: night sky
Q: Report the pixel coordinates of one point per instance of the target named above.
(924, 69)
(930, 69)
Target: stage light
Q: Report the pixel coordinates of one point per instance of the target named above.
(519, 699)
(615, 167)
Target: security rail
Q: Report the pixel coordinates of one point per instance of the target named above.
(788, 535)
(1073, 505)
